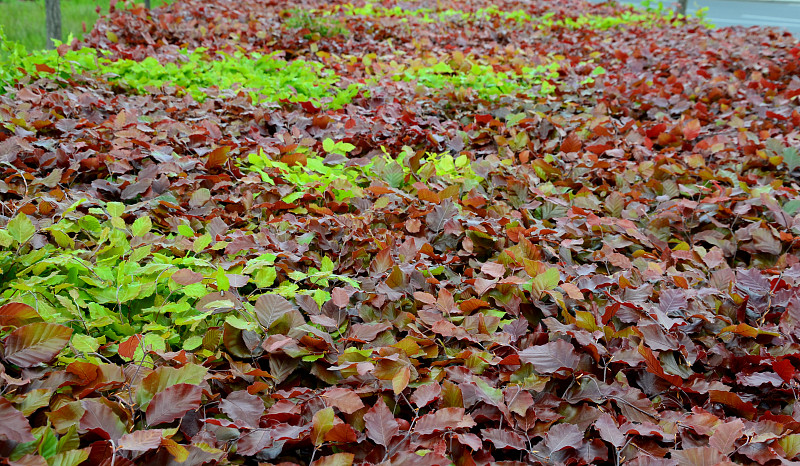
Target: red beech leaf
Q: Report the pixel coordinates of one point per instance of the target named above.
(726, 435)
(337, 459)
(344, 399)
(502, 439)
(270, 308)
(217, 157)
(99, 417)
(340, 297)
(35, 343)
(254, 441)
(732, 400)
(173, 402)
(341, 433)
(551, 357)
(442, 420)
(380, 424)
(13, 424)
(128, 347)
(141, 440)
(243, 408)
(17, 314)
(426, 394)
(186, 277)
(571, 143)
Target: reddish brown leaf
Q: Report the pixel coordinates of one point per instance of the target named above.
(551, 357)
(380, 424)
(726, 435)
(571, 143)
(100, 418)
(732, 400)
(442, 420)
(243, 408)
(186, 277)
(344, 399)
(13, 424)
(341, 433)
(35, 343)
(17, 314)
(502, 439)
(173, 402)
(141, 440)
(128, 347)
(426, 394)
(340, 297)
(217, 157)
(337, 459)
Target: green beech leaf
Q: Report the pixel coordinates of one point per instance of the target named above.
(141, 226)
(21, 228)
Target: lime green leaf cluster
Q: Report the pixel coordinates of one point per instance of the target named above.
(265, 77)
(651, 17)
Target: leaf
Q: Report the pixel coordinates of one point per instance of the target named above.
(493, 269)
(344, 399)
(732, 400)
(551, 357)
(173, 403)
(699, 456)
(691, 129)
(321, 424)
(790, 444)
(99, 418)
(672, 301)
(17, 314)
(609, 431)
(218, 157)
(36, 343)
(141, 440)
(561, 436)
(726, 435)
(502, 439)
(328, 145)
(440, 215)
(380, 424)
(442, 420)
(128, 347)
(426, 394)
(548, 280)
(186, 277)
(14, 425)
(164, 377)
(571, 143)
(21, 228)
(141, 226)
(244, 408)
(271, 307)
(69, 458)
(337, 459)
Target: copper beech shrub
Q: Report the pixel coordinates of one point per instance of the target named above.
(525, 233)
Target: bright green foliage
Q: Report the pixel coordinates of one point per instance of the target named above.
(322, 24)
(486, 82)
(650, 17)
(265, 77)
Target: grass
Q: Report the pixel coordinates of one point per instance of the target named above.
(23, 20)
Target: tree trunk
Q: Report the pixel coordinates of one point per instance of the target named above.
(147, 4)
(53, 21)
(682, 7)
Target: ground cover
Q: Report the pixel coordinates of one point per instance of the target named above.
(439, 232)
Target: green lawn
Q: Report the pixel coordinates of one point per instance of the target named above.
(23, 20)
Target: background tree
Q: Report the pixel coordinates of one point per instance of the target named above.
(682, 6)
(52, 21)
